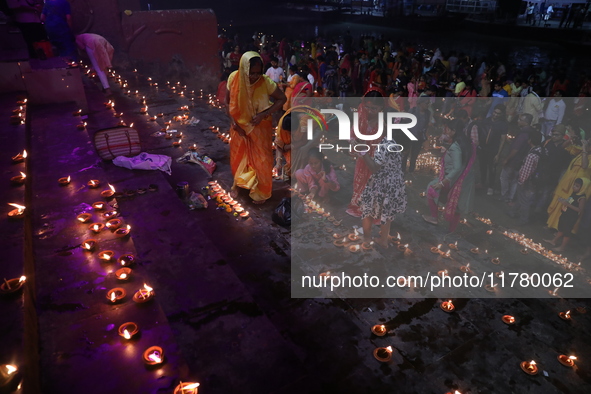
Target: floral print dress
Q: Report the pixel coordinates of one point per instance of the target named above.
(385, 195)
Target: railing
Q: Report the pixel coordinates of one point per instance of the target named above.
(471, 6)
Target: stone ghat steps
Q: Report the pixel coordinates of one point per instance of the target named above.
(80, 347)
(12, 327)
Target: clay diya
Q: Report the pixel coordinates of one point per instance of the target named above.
(383, 354)
(379, 330)
(153, 355)
(116, 295)
(128, 330)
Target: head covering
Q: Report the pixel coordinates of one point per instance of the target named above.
(242, 107)
(585, 188)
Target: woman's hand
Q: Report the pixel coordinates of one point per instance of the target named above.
(239, 130)
(562, 201)
(323, 176)
(258, 118)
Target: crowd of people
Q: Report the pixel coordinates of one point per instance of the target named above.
(524, 128)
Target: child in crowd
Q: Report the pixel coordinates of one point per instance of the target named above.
(572, 208)
(318, 178)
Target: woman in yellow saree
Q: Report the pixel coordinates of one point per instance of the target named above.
(251, 133)
(578, 168)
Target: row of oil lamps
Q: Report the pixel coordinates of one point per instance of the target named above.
(153, 355)
(11, 286)
(225, 201)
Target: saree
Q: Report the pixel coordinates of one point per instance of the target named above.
(565, 188)
(251, 156)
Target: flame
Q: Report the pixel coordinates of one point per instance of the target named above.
(23, 174)
(106, 256)
(191, 386)
(457, 392)
(128, 227)
(95, 227)
(567, 314)
(86, 245)
(123, 276)
(131, 125)
(24, 154)
(532, 363)
(439, 246)
(148, 288)
(20, 208)
(389, 349)
(22, 279)
(155, 356)
(111, 187)
(113, 296)
(10, 369)
(572, 358)
(126, 334)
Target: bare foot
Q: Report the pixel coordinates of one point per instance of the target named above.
(430, 219)
(551, 242)
(233, 192)
(381, 243)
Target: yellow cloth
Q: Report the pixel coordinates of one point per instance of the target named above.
(251, 156)
(565, 188)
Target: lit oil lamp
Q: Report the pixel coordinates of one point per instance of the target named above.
(367, 246)
(99, 205)
(128, 330)
(354, 248)
(489, 232)
(354, 236)
(465, 268)
(447, 306)
(379, 330)
(144, 295)
(118, 114)
(84, 217)
(244, 215)
(383, 354)
(116, 295)
(453, 246)
(126, 260)
(403, 248)
(422, 194)
(153, 118)
(96, 227)
(93, 183)
(436, 250)
(89, 245)
(19, 158)
(529, 368)
(395, 240)
(144, 110)
(176, 143)
(64, 181)
(12, 285)
(18, 212)
(77, 113)
(187, 388)
(19, 179)
(106, 256)
(499, 274)
(81, 126)
(114, 224)
(193, 147)
(442, 273)
(489, 288)
(122, 232)
(153, 355)
(340, 242)
(123, 274)
(565, 315)
(567, 361)
(495, 260)
(508, 319)
(475, 250)
(446, 255)
(110, 214)
(524, 251)
(455, 392)
(108, 193)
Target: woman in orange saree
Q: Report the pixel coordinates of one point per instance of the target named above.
(251, 133)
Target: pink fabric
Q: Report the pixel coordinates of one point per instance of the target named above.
(308, 179)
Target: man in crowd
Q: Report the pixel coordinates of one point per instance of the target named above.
(512, 163)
